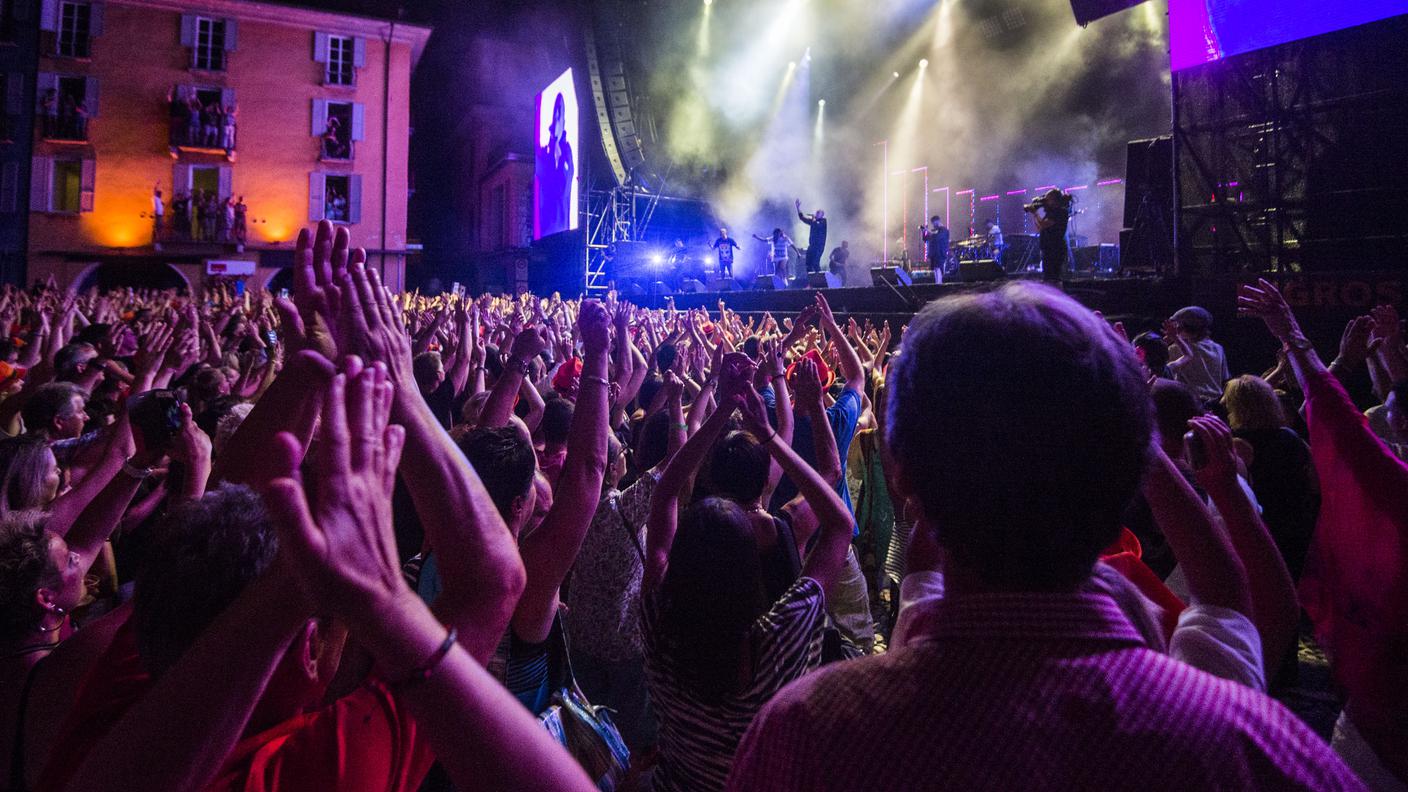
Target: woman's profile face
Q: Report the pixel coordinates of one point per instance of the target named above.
(71, 588)
(559, 118)
(52, 477)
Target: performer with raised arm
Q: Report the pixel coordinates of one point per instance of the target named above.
(816, 240)
(1052, 213)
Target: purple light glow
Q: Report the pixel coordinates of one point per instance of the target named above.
(1109, 182)
(964, 192)
(1203, 31)
(989, 197)
(1016, 192)
(1078, 188)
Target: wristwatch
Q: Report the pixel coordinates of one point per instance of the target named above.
(521, 366)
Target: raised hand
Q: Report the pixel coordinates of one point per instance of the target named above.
(1354, 341)
(735, 377)
(755, 414)
(1264, 301)
(529, 343)
(319, 263)
(1386, 324)
(341, 545)
(370, 326)
(807, 384)
(1220, 465)
(594, 327)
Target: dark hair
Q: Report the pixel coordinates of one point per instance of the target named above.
(752, 346)
(94, 333)
(648, 389)
(711, 595)
(22, 471)
(738, 467)
(936, 219)
(654, 441)
(665, 356)
(1174, 404)
(557, 421)
(202, 555)
(425, 366)
(25, 565)
(504, 461)
(1155, 351)
(49, 401)
(1022, 426)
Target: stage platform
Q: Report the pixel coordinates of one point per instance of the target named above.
(1116, 298)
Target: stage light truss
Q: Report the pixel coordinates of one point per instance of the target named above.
(1271, 149)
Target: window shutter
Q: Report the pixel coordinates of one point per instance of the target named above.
(316, 206)
(354, 199)
(40, 187)
(227, 97)
(49, 15)
(90, 96)
(10, 188)
(231, 31)
(14, 93)
(188, 30)
(359, 120)
(359, 52)
(85, 197)
(180, 179)
(95, 19)
(320, 47)
(320, 117)
(226, 178)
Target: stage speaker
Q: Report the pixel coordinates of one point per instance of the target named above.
(691, 286)
(922, 276)
(721, 284)
(660, 287)
(816, 280)
(1021, 251)
(879, 276)
(1102, 259)
(1088, 11)
(834, 280)
(1148, 205)
(769, 283)
(978, 271)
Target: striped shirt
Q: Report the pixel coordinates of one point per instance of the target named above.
(698, 739)
(1027, 691)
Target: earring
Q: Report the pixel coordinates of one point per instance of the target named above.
(59, 611)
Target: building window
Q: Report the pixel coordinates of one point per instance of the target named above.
(210, 44)
(335, 197)
(75, 29)
(67, 187)
(203, 117)
(337, 132)
(341, 70)
(66, 103)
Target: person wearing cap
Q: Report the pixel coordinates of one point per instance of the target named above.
(1194, 358)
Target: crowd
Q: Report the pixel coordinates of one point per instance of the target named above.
(200, 124)
(63, 116)
(356, 540)
(201, 216)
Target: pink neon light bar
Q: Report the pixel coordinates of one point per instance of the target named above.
(989, 197)
(1080, 187)
(1016, 192)
(1108, 182)
(964, 192)
(1044, 189)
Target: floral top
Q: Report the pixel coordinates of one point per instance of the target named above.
(603, 596)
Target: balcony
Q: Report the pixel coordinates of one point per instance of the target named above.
(202, 122)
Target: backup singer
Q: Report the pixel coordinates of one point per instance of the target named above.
(778, 246)
(725, 245)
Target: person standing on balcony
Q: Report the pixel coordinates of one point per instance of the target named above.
(229, 141)
(158, 213)
(241, 212)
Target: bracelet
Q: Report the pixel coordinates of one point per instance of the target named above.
(680, 426)
(423, 671)
(594, 378)
(521, 366)
(769, 438)
(130, 470)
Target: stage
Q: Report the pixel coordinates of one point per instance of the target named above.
(1117, 298)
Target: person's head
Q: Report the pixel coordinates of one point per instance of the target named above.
(504, 460)
(615, 462)
(1195, 322)
(72, 361)
(40, 578)
(29, 474)
(1396, 406)
(1252, 404)
(777, 233)
(1020, 426)
(723, 232)
(989, 223)
(654, 442)
(845, 244)
(557, 422)
(936, 221)
(158, 193)
(738, 468)
(429, 370)
(56, 411)
(1152, 351)
(202, 556)
(208, 384)
(753, 347)
(559, 117)
(1174, 405)
(819, 214)
(665, 355)
(711, 594)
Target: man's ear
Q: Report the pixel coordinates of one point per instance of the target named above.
(309, 645)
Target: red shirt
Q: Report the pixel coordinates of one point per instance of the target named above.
(363, 742)
(1027, 691)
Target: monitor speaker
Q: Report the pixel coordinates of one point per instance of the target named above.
(816, 280)
(978, 271)
(1088, 11)
(721, 284)
(879, 276)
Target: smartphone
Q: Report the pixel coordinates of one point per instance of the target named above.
(157, 415)
(1197, 452)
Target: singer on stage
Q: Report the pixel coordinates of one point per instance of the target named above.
(936, 239)
(816, 240)
(1052, 212)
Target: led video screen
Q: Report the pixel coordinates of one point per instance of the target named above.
(555, 167)
(1202, 31)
